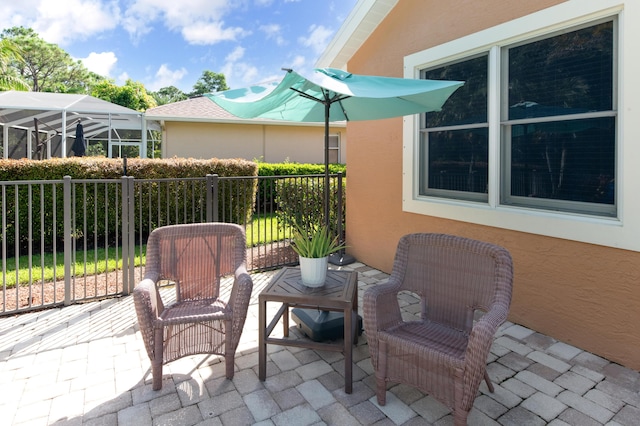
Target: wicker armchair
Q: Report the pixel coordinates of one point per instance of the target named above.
(444, 353)
(201, 320)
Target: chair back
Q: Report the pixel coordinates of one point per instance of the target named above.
(454, 276)
(196, 256)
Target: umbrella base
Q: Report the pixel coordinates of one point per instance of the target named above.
(341, 259)
(321, 326)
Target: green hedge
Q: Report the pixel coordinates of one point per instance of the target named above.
(109, 168)
(169, 202)
(288, 169)
(268, 192)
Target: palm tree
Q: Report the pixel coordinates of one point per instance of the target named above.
(9, 52)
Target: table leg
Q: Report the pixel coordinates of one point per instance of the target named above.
(355, 317)
(348, 350)
(285, 320)
(262, 340)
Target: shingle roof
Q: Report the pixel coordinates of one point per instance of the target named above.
(193, 108)
(202, 109)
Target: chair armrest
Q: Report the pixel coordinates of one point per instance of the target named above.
(480, 340)
(380, 306)
(148, 306)
(239, 300)
(380, 310)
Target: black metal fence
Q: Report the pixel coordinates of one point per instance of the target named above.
(73, 240)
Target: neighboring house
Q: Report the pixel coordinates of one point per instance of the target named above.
(559, 186)
(198, 128)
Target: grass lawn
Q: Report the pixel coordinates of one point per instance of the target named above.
(265, 229)
(262, 230)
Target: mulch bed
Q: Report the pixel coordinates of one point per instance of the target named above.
(91, 287)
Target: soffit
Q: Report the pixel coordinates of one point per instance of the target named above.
(356, 29)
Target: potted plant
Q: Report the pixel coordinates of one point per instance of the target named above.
(314, 246)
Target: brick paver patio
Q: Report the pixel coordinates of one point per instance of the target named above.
(86, 365)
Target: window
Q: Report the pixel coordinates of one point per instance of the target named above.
(556, 125)
(334, 149)
(585, 181)
(454, 141)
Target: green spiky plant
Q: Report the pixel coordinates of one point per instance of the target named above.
(315, 243)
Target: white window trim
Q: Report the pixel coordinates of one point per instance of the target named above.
(622, 231)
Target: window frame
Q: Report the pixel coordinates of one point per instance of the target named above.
(618, 231)
(334, 149)
(424, 144)
(592, 209)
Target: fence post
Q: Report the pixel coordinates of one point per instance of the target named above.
(212, 198)
(68, 248)
(128, 237)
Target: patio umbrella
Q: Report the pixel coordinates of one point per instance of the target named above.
(334, 95)
(79, 145)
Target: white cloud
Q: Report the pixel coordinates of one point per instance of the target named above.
(14, 14)
(273, 32)
(248, 73)
(166, 77)
(211, 33)
(61, 24)
(122, 78)
(238, 73)
(235, 55)
(298, 62)
(199, 21)
(100, 63)
(77, 19)
(318, 39)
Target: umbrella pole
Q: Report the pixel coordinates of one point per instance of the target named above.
(327, 106)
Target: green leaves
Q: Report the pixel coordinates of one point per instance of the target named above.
(315, 243)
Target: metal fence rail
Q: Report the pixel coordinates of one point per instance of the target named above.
(73, 240)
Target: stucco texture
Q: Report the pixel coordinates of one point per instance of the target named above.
(583, 294)
(270, 143)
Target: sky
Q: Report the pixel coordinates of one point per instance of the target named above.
(164, 43)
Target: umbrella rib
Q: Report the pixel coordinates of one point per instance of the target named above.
(337, 98)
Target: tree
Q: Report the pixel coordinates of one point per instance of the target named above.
(47, 67)
(209, 82)
(167, 95)
(132, 95)
(10, 53)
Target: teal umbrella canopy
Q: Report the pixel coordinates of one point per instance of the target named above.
(349, 97)
(331, 94)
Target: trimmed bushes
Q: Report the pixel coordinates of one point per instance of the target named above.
(173, 193)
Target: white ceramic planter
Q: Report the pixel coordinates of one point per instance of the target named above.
(313, 270)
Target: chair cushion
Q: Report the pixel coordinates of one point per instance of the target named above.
(428, 339)
(195, 311)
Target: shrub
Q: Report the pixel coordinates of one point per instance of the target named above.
(300, 203)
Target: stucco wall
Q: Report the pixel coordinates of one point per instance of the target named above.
(583, 294)
(302, 144)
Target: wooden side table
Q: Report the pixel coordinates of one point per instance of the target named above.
(339, 293)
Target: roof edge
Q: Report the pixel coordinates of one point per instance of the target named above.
(364, 18)
(243, 121)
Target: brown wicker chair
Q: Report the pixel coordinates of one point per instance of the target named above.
(200, 321)
(444, 353)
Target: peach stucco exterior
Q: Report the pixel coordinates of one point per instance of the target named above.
(587, 295)
(270, 143)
